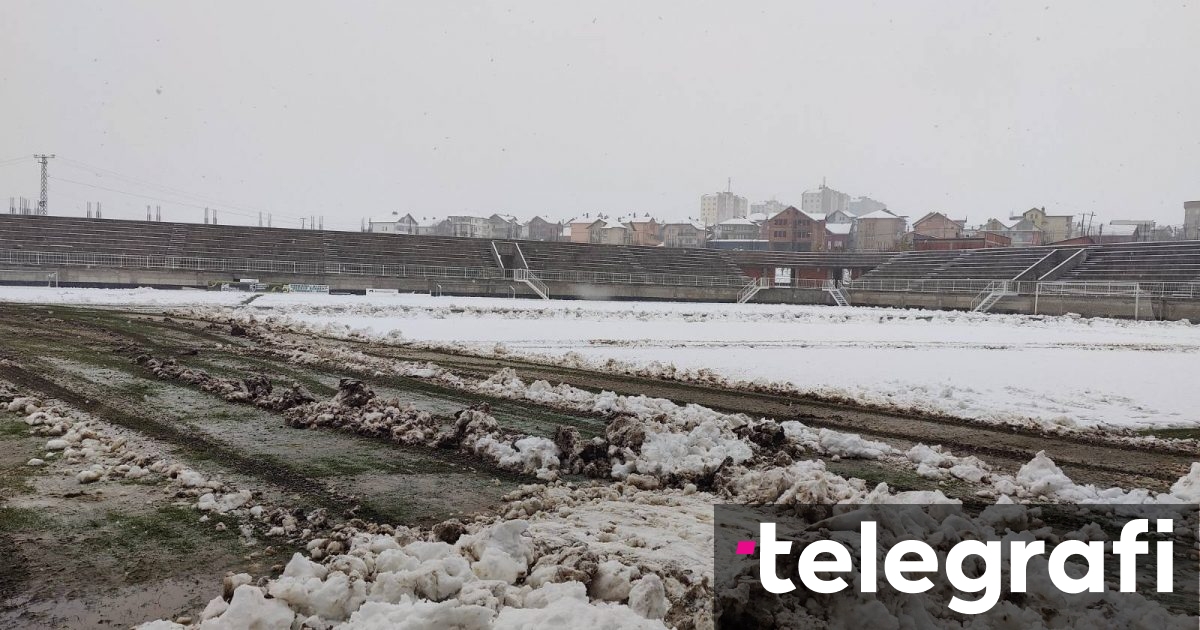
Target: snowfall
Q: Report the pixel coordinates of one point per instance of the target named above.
(1060, 371)
(633, 547)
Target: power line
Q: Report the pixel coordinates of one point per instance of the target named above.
(164, 200)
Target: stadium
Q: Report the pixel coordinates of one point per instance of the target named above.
(628, 316)
(1149, 280)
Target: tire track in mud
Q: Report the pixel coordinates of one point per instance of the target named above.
(197, 445)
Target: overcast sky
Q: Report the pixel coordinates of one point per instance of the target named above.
(357, 109)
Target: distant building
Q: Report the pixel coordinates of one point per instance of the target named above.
(543, 229)
(402, 225)
(1026, 233)
(722, 206)
(687, 234)
(795, 231)
(824, 200)
(1055, 227)
(737, 230)
(767, 208)
(978, 239)
(502, 226)
(938, 225)
(610, 233)
(581, 229)
(865, 205)
(879, 231)
(468, 226)
(642, 230)
(1191, 220)
(837, 236)
(840, 216)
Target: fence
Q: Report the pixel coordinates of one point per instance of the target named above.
(245, 265)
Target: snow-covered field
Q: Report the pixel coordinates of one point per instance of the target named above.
(998, 368)
(119, 297)
(633, 549)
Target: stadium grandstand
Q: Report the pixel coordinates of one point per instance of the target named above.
(1160, 279)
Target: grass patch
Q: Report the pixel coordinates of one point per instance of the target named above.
(1172, 434)
(14, 519)
(175, 528)
(11, 426)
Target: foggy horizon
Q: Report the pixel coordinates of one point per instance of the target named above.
(351, 112)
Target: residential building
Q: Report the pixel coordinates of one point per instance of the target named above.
(938, 225)
(468, 226)
(1025, 233)
(1146, 227)
(769, 208)
(401, 225)
(610, 233)
(581, 228)
(865, 205)
(686, 234)
(879, 231)
(837, 236)
(737, 230)
(1055, 227)
(824, 200)
(1191, 220)
(975, 239)
(643, 230)
(543, 229)
(722, 206)
(840, 216)
(795, 231)
(502, 226)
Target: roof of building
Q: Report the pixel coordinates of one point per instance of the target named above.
(1118, 229)
(738, 221)
(880, 214)
(758, 216)
(838, 228)
(1024, 225)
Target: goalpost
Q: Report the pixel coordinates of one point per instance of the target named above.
(16, 275)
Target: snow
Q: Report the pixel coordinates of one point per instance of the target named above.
(120, 297)
(1049, 371)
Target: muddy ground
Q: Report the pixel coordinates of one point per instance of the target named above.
(115, 554)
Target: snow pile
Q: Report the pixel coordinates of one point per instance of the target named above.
(256, 390)
(499, 574)
(935, 462)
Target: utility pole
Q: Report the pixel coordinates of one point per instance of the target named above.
(206, 216)
(98, 210)
(147, 212)
(158, 214)
(42, 206)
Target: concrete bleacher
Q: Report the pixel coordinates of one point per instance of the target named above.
(629, 259)
(142, 238)
(962, 264)
(1139, 262)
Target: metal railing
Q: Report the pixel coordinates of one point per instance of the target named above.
(241, 265)
(1091, 288)
(918, 285)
